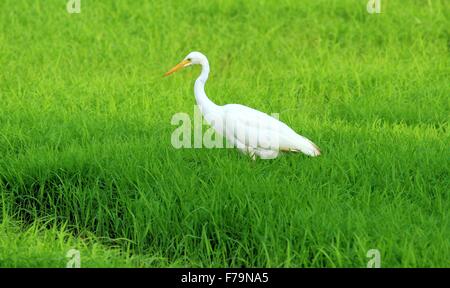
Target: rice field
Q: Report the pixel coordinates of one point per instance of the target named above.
(86, 159)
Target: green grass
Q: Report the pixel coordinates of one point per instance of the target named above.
(86, 160)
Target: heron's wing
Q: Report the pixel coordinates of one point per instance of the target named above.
(259, 130)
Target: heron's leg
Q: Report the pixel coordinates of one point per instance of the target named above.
(251, 152)
(245, 149)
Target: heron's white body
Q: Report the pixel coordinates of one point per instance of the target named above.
(250, 130)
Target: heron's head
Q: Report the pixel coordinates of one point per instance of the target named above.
(191, 59)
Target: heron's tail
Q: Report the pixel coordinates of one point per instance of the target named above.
(306, 146)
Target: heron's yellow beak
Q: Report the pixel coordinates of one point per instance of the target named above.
(179, 66)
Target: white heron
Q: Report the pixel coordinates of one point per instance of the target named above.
(251, 131)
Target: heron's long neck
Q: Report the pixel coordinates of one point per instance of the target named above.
(205, 105)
